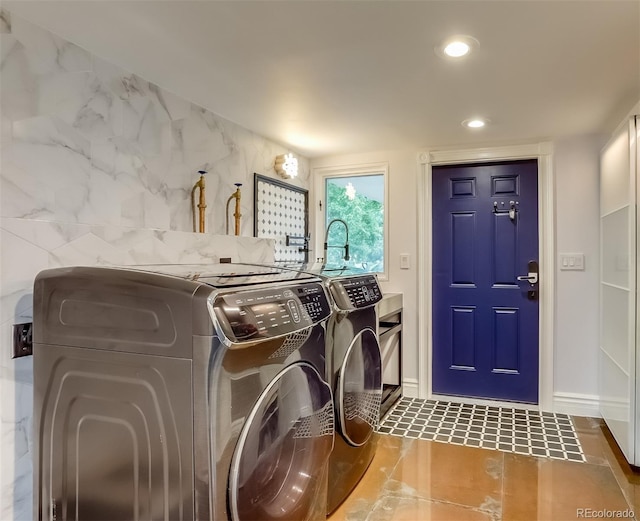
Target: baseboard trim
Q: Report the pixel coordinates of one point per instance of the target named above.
(410, 388)
(577, 404)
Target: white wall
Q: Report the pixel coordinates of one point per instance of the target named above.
(402, 214)
(576, 301)
(576, 165)
(97, 168)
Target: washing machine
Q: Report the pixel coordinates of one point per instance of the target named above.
(181, 392)
(354, 370)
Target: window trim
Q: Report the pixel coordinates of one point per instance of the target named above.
(318, 214)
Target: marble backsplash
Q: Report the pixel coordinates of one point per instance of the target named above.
(97, 166)
(31, 246)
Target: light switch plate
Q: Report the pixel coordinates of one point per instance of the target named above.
(405, 261)
(572, 262)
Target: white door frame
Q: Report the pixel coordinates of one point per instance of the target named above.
(546, 219)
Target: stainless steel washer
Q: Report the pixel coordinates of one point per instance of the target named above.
(181, 392)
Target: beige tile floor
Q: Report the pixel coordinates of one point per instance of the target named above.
(418, 480)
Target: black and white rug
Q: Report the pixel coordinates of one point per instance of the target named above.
(534, 433)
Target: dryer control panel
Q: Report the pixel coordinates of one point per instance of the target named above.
(356, 292)
(266, 313)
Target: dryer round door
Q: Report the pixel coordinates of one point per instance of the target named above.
(359, 388)
(284, 445)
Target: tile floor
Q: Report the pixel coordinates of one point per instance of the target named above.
(420, 480)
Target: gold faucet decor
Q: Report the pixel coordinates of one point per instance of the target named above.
(201, 204)
(235, 195)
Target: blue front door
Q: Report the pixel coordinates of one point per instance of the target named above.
(485, 321)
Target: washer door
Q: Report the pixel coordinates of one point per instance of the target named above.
(360, 388)
(277, 467)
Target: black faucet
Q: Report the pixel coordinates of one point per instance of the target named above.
(346, 244)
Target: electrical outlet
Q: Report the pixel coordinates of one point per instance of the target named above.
(22, 340)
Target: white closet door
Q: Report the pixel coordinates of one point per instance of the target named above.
(634, 167)
(618, 228)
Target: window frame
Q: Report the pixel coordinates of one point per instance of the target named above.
(320, 175)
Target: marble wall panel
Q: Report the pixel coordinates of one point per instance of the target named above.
(96, 168)
(86, 141)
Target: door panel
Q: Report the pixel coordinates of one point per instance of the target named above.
(506, 326)
(464, 334)
(505, 250)
(463, 228)
(485, 325)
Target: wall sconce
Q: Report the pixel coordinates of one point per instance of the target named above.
(286, 166)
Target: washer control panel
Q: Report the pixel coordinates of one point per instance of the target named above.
(267, 313)
(356, 292)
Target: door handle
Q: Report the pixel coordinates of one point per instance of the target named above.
(532, 276)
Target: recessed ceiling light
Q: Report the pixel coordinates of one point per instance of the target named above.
(456, 47)
(475, 122)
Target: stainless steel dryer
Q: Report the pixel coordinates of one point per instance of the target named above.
(180, 392)
(354, 369)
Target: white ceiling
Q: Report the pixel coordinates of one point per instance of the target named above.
(329, 77)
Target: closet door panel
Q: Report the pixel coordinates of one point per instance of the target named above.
(618, 244)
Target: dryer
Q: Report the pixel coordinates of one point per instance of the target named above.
(354, 370)
(181, 392)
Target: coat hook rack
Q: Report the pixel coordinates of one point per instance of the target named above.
(513, 209)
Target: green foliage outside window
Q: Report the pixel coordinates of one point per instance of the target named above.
(365, 218)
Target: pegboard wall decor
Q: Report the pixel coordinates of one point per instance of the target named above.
(282, 214)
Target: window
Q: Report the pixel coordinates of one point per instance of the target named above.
(355, 197)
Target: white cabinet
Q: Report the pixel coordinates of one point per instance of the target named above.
(619, 325)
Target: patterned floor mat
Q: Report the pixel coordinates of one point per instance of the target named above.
(521, 431)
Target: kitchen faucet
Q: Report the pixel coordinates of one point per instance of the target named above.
(326, 238)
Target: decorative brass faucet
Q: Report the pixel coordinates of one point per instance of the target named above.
(326, 238)
(235, 195)
(201, 204)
